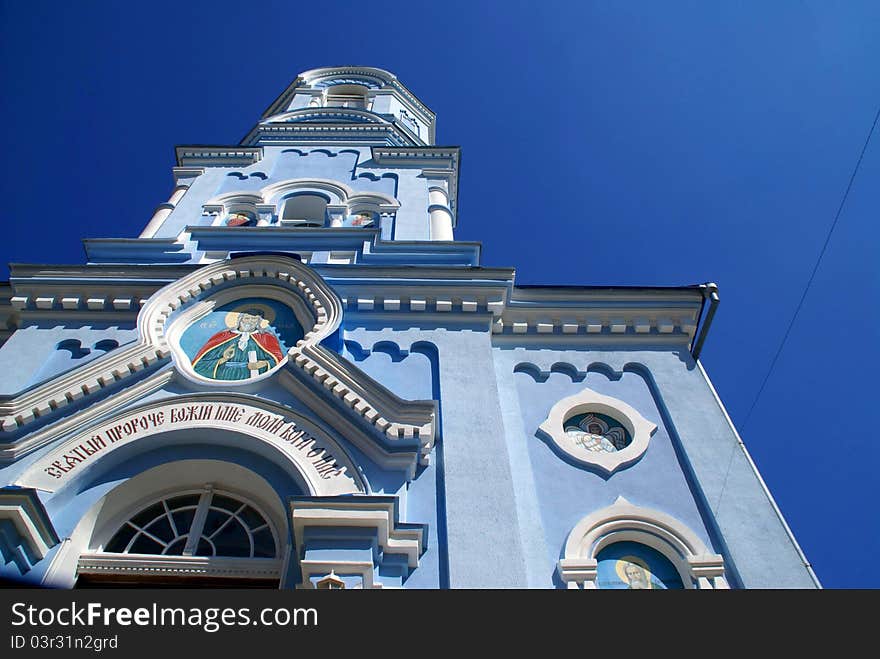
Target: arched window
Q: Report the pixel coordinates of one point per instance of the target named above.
(304, 210)
(626, 546)
(188, 538)
(206, 524)
(347, 96)
(597, 432)
(240, 218)
(361, 219)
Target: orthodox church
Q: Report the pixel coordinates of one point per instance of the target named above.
(296, 378)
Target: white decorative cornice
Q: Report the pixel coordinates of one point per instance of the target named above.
(377, 513)
(381, 75)
(13, 450)
(186, 174)
(23, 509)
(142, 565)
(217, 156)
(324, 113)
(599, 315)
(352, 134)
(116, 366)
(416, 154)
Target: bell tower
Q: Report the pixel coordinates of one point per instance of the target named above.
(343, 161)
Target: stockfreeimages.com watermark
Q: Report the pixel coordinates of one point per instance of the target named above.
(209, 619)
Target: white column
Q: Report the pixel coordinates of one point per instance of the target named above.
(441, 217)
(441, 225)
(163, 211)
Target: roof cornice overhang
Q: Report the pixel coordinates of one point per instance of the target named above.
(352, 134)
(202, 155)
(518, 314)
(373, 250)
(433, 296)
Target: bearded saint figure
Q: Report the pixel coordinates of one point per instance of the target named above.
(244, 352)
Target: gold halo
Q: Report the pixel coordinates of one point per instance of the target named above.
(231, 319)
(621, 562)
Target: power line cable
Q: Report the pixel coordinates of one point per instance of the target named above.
(799, 305)
(813, 273)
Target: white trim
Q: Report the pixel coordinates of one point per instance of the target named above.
(639, 428)
(624, 522)
(322, 464)
(147, 565)
(757, 474)
(36, 540)
(354, 512)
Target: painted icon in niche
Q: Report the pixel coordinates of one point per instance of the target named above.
(240, 220)
(597, 433)
(633, 566)
(363, 219)
(253, 338)
(635, 573)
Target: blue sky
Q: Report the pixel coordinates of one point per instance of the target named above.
(656, 143)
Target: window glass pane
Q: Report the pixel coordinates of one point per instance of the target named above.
(220, 501)
(121, 539)
(176, 548)
(252, 518)
(183, 519)
(229, 529)
(598, 433)
(214, 521)
(264, 544)
(146, 516)
(185, 500)
(145, 545)
(232, 540)
(205, 548)
(161, 528)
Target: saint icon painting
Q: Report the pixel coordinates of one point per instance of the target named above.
(240, 341)
(633, 566)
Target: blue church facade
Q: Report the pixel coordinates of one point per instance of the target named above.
(296, 377)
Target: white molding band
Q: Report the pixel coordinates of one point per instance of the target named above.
(322, 463)
(148, 565)
(376, 513)
(36, 534)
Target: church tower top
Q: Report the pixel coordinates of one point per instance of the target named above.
(364, 100)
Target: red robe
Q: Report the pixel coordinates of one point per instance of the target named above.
(266, 340)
